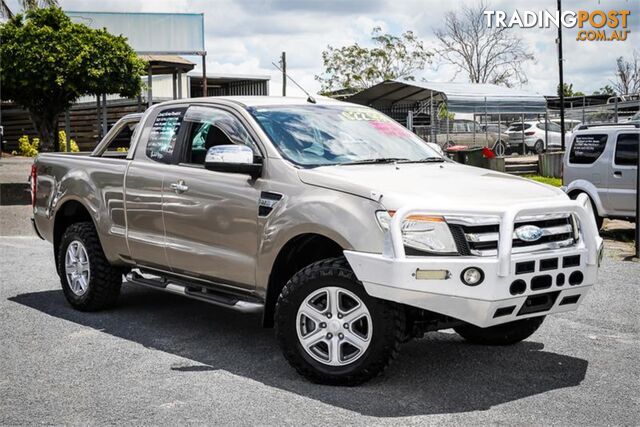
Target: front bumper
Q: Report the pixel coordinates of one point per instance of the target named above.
(392, 275)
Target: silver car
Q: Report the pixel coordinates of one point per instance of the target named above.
(601, 161)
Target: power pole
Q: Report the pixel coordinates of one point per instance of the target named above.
(283, 66)
(559, 41)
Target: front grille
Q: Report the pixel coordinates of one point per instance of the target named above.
(482, 240)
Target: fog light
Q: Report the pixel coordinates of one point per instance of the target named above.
(472, 276)
(432, 274)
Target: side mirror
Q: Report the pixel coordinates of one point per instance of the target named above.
(232, 159)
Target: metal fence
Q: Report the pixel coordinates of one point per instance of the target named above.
(480, 129)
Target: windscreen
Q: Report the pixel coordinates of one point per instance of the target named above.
(318, 135)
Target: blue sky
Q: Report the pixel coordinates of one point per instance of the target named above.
(245, 36)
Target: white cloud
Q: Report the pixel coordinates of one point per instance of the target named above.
(245, 36)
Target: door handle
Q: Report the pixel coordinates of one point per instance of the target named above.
(179, 187)
(617, 174)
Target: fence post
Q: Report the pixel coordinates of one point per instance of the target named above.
(98, 116)
(432, 122)
(104, 114)
(616, 109)
(447, 141)
(474, 125)
(524, 150)
(67, 130)
(546, 129)
(584, 104)
(486, 122)
(410, 120)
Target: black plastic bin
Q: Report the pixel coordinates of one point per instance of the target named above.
(472, 156)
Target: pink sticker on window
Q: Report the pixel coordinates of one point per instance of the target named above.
(389, 128)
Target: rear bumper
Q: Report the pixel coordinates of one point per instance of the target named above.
(529, 142)
(554, 281)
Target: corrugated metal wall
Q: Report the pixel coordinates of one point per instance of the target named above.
(239, 88)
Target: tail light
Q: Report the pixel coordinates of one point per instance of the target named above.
(34, 183)
(529, 133)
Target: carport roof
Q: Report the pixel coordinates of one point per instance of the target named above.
(460, 97)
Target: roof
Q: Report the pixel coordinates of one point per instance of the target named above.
(167, 64)
(459, 97)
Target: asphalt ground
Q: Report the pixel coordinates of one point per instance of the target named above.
(163, 359)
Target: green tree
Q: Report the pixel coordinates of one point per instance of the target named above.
(605, 90)
(356, 67)
(48, 62)
(568, 90)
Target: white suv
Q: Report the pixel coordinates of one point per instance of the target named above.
(534, 135)
(601, 161)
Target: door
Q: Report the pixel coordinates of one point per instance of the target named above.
(622, 180)
(211, 217)
(143, 188)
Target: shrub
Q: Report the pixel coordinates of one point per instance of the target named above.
(62, 136)
(31, 148)
(27, 148)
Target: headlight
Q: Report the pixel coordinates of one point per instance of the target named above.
(422, 232)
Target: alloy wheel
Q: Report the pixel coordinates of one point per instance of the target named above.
(77, 268)
(334, 326)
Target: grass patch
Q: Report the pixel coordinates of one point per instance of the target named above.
(556, 182)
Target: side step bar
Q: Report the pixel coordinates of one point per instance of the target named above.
(196, 292)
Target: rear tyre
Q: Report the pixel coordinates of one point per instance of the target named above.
(88, 281)
(331, 331)
(538, 147)
(505, 334)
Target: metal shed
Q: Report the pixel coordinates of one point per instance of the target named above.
(459, 97)
(421, 106)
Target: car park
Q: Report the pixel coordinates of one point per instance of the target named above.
(534, 136)
(326, 217)
(601, 162)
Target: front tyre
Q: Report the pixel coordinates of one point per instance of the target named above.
(330, 330)
(89, 282)
(504, 334)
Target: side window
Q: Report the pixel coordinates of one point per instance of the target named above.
(209, 127)
(122, 141)
(459, 127)
(540, 126)
(627, 149)
(587, 148)
(554, 127)
(164, 134)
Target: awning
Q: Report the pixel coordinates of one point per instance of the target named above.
(459, 97)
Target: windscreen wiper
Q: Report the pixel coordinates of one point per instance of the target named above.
(377, 160)
(426, 160)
